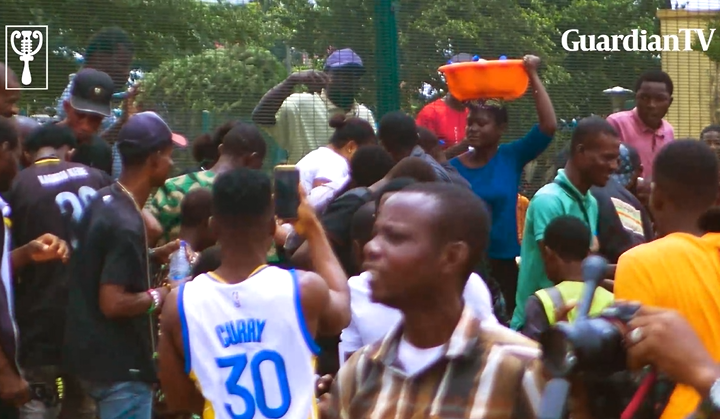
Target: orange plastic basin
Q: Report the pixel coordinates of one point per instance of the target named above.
(497, 79)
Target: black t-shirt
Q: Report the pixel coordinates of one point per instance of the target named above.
(337, 221)
(111, 250)
(97, 154)
(47, 197)
(623, 222)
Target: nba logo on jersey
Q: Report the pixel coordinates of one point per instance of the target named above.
(236, 298)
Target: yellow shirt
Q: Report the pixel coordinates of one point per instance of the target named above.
(302, 123)
(680, 272)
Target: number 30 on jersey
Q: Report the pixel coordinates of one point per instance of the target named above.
(237, 365)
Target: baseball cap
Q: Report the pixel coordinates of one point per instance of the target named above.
(147, 130)
(91, 92)
(343, 58)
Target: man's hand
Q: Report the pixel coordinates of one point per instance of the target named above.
(663, 338)
(162, 254)
(128, 105)
(532, 63)
(14, 389)
(323, 384)
(314, 80)
(46, 248)
(307, 221)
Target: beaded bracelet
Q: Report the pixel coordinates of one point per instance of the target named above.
(155, 300)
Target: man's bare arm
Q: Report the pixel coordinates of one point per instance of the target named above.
(180, 392)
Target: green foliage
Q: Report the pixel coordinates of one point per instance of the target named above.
(225, 80)
(713, 51)
(161, 30)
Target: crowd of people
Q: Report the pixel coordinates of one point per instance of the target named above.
(415, 282)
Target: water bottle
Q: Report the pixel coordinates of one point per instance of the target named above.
(179, 263)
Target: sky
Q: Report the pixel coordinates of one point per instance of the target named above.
(703, 4)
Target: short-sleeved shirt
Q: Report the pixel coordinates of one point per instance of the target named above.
(96, 154)
(337, 221)
(623, 222)
(550, 202)
(679, 272)
(484, 370)
(112, 250)
(47, 197)
(446, 123)
(497, 183)
(302, 123)
(165, 205)
(645, 140)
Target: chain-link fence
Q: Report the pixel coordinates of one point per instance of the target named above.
(204, 62)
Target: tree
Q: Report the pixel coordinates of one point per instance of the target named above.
(160, 29)
(226, 80)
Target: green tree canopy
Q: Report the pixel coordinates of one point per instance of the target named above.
(226, 80)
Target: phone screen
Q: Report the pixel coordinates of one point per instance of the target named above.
(287, 196)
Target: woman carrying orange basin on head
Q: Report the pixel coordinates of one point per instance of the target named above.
(494, 170)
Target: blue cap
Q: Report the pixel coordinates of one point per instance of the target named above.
(476, 58)
(343, 58)
(503, 57)
(146, 130)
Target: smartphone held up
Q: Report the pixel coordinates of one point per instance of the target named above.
(286, 191)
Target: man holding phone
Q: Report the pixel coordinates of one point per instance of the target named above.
(235, 318)
(300, 122)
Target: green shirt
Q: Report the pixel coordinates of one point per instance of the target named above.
(165, 205)
(549, 202)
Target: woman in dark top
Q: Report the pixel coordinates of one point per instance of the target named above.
(494, 171)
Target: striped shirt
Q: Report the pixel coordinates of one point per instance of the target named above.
(486, 371)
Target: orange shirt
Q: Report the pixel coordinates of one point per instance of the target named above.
(680, 272)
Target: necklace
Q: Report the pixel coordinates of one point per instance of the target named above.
(153, 333)
(129, 194)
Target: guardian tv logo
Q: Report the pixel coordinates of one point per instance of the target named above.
(26, 52)
(636, 41)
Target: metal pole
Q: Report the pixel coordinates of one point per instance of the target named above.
(386, 51)
(205, 121)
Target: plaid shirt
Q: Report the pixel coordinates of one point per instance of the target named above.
(106, 124)
(486, 371)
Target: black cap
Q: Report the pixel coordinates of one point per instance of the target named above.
(148, 131)
(91, 92)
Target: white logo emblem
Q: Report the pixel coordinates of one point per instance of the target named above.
(23, 44)
(236, 298)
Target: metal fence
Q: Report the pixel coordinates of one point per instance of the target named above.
(204, 62)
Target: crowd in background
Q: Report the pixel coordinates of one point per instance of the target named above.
(416, 280)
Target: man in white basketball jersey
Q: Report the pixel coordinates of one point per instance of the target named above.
(243, 334)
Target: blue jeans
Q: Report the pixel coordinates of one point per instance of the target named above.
(123, 400)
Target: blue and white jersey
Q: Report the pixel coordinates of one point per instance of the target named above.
(247, 346)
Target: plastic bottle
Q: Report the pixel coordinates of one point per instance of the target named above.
(179, 263)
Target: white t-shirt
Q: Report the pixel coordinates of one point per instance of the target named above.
(371, 321)
(322, 163)
(414, 359)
